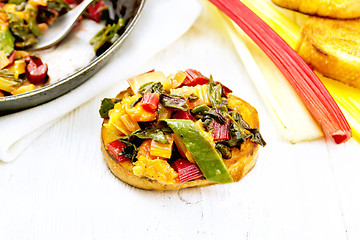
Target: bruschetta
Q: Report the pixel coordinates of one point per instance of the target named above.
(178, 131)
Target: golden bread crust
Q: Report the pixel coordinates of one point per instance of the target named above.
(241, 162)
(332, 47)
(339, 9)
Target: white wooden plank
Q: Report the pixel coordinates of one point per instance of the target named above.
(345, 160)
(60, 188)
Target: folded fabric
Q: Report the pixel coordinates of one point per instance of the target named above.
(161, 23)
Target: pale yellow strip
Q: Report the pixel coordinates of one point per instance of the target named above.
(288, 25)
(348, 99)
(290, 114)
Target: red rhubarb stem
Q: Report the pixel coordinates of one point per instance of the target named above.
(150, 102)
(183, 115)
(194, 77)
(187, 171)
(221, 131)
(115, 148)
(305, 82)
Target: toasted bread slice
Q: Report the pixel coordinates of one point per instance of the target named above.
(342, 9)
(332, 47)
(242, 161)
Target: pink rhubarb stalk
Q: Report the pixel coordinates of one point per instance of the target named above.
(150, 102)
(305, 82)
(187, 171)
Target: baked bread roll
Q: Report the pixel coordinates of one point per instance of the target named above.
(341, 9)
(332, 47)
(180, 131)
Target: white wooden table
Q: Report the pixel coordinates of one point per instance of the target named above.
(60, 188)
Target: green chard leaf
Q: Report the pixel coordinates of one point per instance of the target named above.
(107, 35)
(240, 131)
(214, 113)
(100, 38)
(200, 109)
(255, 135)
(215, 92)
(130, 151)
(151, 87)
(224, 150)
(173, 101)
(7, 41)
(17, 2)
(22, 31)
(59, 6)
(156, 132)
(106, 105)
(32, 12)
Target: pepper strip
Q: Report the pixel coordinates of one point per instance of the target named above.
(207, 158)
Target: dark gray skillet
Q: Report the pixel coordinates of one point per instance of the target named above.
(10, 104)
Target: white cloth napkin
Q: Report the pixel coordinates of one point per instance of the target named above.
(161, 23)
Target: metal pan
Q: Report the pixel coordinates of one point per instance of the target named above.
(9, 104)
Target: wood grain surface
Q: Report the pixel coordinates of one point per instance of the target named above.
(60, 187)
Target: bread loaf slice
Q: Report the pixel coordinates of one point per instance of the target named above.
(342, 9)
(332, 47)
